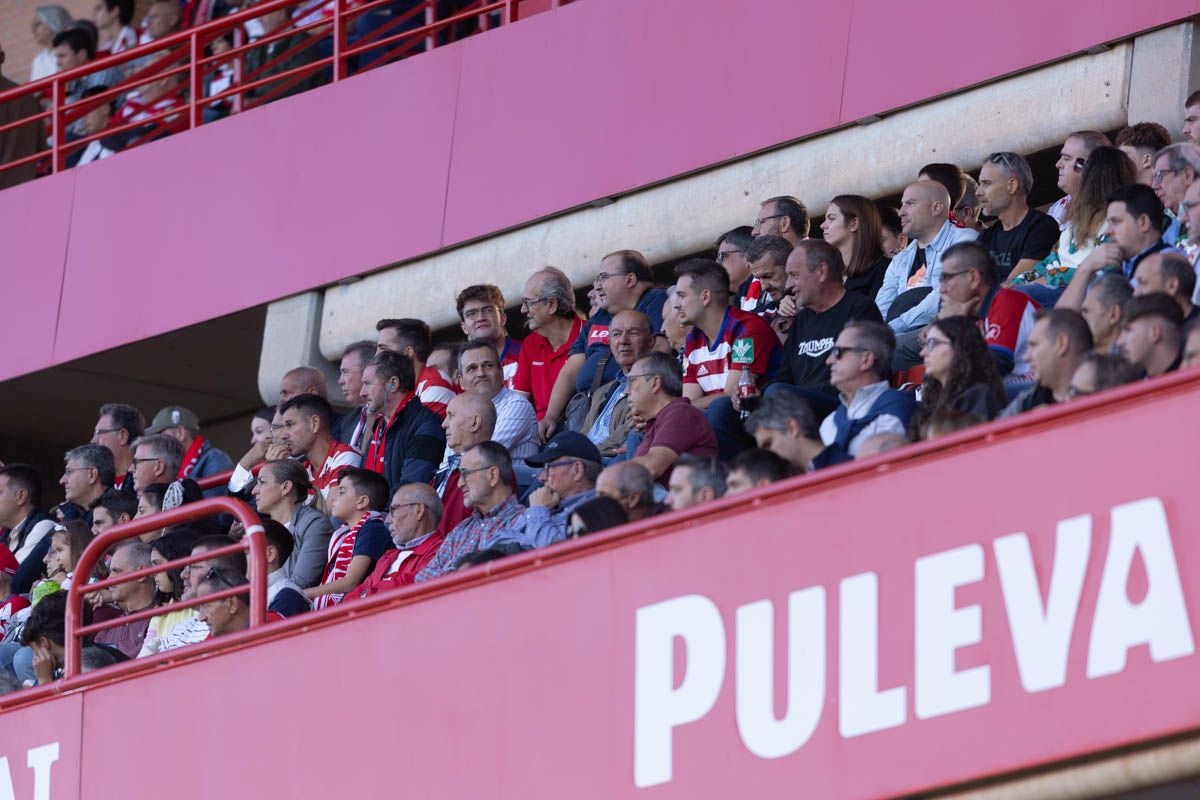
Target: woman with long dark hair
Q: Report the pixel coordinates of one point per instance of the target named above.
(853, 225)
(959, 373)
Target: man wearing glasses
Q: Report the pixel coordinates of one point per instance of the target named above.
(860, 364)
(782, 216)
(548, 303)
(117, 428)
(413, 518)
(1022, 236)
(570, 465)
(481, 315)
(1176, 168)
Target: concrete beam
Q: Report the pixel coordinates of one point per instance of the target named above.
(290, 338)
(1165, 70)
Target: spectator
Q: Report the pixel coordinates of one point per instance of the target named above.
(694, 481)
(731, 254)
(673, 329)
(486, 481)
(228, 614)
(786, 426)
(767, 256)
(597, 514)
(724, 342)
(673, 427)
(443, 358)
(1151, 336)
(162, 19)
(952, 178)
(412, 339)
(814, 272)
(1075, 152)
(1190, 213)
(112, 508)
(27, 524)
(481, 316)
(407, 441)
(13, 603)
(304, 380)
(627, 283)
(1106, 170)
(289, 52)
(1102, 309)
(570, 464)
(308, 435)
(753, 469)
(44, 641)
(1191, 122)
(782, 216)
(282, 493)
(1169, 272)
(284, 596)
(130, 597)
(260, 426)
(1099, 371)
(112, 18)
(966, 211)
(1057, 345)
(170, 585)
(609, 421)
(74, 47)
(908, 297)
(1021, 236)
(631, 485)
(93, 122)
(1135, 224)
(200, 459)
(516, 421)
(860, 363)
(361, 498)
(117, 428)
(549, 305)
(852, 225)
(1191, 349)
(1006, 315)
(48, 22)
(892, 236)
(67, 544)
(948, 421)
(86, 476)
(150, 501)
(193, 629)
(413, 518)
(1175, 169)
(959, 372)
(1141, 142)
(19, 142)
(470, 420)
(351, 427)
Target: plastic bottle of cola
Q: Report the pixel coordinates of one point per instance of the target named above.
(747, 392)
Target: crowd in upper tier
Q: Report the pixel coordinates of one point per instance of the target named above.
(783, 354)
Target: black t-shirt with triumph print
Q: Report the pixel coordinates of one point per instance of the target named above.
(812, 336)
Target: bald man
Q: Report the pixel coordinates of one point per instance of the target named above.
(908, 299)
(302, 380)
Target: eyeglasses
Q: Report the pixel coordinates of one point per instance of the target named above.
(930, 344)
(948, 275)
(137, 461)
(1158, 175)
(839, 351)
(398, 506)
(530, 302)
(464, 472)
(722, 256)
(761, 220)
(633, 375)
(1008, 160)
(1079, 162)
(485, 311)
(102, 431)
(218, 575)
(603, 276)
(555, 464)
(69, 470)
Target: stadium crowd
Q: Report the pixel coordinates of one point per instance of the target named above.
(783, 355)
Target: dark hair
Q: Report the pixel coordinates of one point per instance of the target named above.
(600, 513)
(1061, 321)
(1144, 136)
(49, 619)
(972, 364)
(495, 455)
(474, 344)
(78, 536)
(1176, 265)
(77, 39)
(124, 9)
(1155, 304)
(268, 413)
(775, 247)
(23, 476)
(794, 210)
(97, 457)
(710, 472)
(117, 502)
(877, 339)
(868, 248)
(154, 493)
(285, 469)
(393, 365)
(818, 252)
(484, 292)
(232, 562)
(310, 405)
(369, 483)
(412, 333)
(889, 219)
(740, 237)
(973, 255)
(706, 274)
(365, 350)
(93, 658)
(1106, 170)
(950, 176)
(494, 553)
(92, 91)
(633, 263)
(777, 409)
(1140, 200)
(172, 545)
(1113, 370)
(280, 538)
(760, 465)
(1192, 99)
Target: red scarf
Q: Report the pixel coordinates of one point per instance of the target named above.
(341, 552)
(373, 460)
(190, 458)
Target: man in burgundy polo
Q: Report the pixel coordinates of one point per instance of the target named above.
(673, 425)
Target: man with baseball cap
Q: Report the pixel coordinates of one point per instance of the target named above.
(13, 602)
(200, 458)
(570, 464)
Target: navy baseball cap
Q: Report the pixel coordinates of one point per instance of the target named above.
(567, 444)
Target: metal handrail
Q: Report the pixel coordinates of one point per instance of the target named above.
(182, 53)
(253, 543)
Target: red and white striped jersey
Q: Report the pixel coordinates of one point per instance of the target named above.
(435, 390)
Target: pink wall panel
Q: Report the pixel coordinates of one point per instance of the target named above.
(641, 91)
(260, 206)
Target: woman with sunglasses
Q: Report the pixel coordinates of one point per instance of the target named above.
(959, 373)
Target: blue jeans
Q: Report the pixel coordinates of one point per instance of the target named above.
(18, 660)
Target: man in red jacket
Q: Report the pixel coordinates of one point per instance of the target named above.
(412, 517)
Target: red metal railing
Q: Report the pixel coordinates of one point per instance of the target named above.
(253, 543)
(357, 36)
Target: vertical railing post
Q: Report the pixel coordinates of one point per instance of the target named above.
(56, 133)
(510, 11)
(238, 67)
(430, 18)
(195, 82)
(339, 33)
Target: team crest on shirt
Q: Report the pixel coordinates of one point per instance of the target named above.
(743, 351)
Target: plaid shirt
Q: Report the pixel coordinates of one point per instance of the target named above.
(476, 532)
